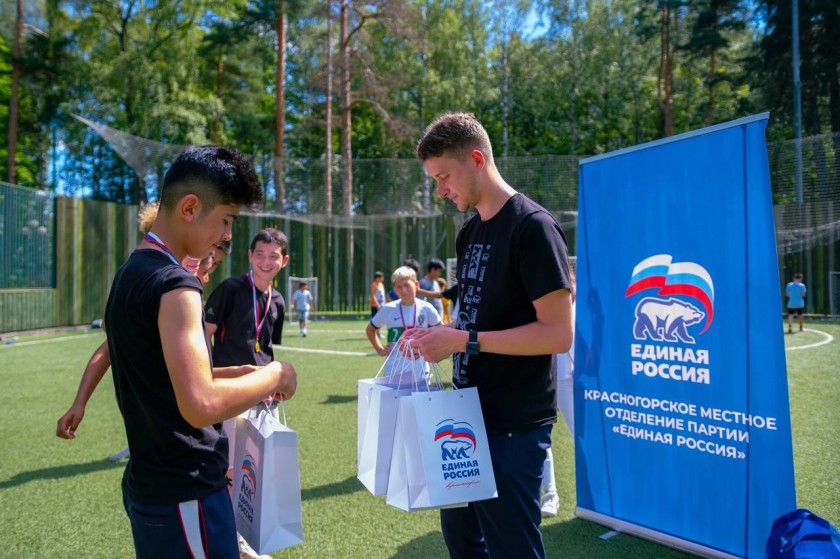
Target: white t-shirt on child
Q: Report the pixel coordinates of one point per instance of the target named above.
(398, 318)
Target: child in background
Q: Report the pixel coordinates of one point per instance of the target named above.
(403, 314)
(303, 303)
(446, 303)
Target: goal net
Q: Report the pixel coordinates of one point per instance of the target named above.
(293, 285)
(834, 293)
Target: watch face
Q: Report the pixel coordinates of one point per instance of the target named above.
(472, 348)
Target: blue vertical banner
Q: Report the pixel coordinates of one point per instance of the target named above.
(682, 419)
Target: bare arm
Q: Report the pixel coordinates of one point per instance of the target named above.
(370, 330)
(94, 371)
(211, 329)
(550, 333)
(233, 372)
(202, 398)
(427, 293)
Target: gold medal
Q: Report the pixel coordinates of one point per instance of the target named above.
(257, 346)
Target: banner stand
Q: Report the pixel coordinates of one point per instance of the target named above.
(652, 535)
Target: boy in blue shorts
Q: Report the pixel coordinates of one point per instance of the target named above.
(795, 293)
(172, 399)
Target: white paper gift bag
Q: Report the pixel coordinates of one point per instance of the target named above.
(377, 417)
(441, 456)
(266, 482)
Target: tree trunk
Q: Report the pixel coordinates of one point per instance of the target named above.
(280, 110)
(346, 147)
(710, 103)
(664, 84)
(505, 94)
(220, 70)
(13, 97)
(328, 143)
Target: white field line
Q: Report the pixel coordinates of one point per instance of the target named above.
(3, 344)
(283, 348)
(827, 339)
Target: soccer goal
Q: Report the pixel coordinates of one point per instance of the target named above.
(293, 284)
(834, 293)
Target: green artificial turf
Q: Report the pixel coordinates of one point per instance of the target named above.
(62, 498)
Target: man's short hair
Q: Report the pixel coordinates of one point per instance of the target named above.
(434, 264)
(216, 174)
(454, 135)
(271, 235)
(403, 273)
(797, 275)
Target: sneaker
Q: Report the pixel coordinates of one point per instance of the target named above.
(549, 505)
(247, 552)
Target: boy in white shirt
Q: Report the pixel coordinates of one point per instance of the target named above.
(403, 314)
(303, 303)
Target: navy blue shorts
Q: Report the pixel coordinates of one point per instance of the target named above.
(797, 312)
(201, 528)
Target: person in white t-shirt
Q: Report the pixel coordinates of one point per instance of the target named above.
(303, 303)
(401, 315)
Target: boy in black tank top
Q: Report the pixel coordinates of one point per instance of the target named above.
(171, 398)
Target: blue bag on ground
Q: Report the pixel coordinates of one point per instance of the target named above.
(802, 534)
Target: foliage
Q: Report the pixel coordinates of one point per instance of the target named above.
(544, 76)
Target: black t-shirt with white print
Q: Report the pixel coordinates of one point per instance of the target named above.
(505, 263)
(171, 461)
(231, 308)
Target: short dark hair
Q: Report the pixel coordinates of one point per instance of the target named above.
(271, 235)
(413, 264)
(797, 275)
(454, 134)
(434, 264)
(378, 274)
(216, 174)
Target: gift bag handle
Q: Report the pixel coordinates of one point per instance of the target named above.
(273, 412)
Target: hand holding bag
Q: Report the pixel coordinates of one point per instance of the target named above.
(377, 417)
(266, 481)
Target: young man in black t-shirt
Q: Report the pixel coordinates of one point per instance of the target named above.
(171, 398)
(514, 313)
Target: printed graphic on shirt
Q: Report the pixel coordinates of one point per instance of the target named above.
(471, 281)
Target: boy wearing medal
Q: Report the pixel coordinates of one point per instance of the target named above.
(244, 314)
(403, 314)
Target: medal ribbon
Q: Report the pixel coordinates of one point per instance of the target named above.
(257, 322)
(403, 319)
(153, 239)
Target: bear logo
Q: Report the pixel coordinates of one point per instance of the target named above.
(665, 320)
(455, 450)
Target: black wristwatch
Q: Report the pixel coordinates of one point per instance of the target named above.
(472, 345)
